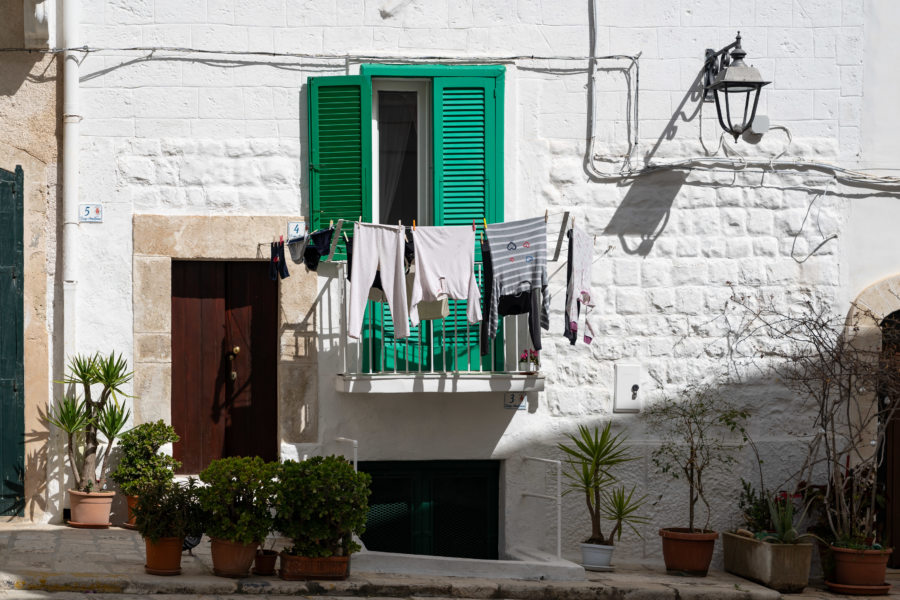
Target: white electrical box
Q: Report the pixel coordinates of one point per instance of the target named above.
(628, 388)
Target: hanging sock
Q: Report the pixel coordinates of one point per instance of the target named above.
(277, 264)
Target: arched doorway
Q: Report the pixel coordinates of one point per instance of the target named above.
(889, 473)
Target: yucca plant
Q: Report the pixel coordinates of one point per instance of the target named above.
(85, 418)
(590, 459)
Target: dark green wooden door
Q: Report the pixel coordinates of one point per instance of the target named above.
(12, 407)
(439, 508)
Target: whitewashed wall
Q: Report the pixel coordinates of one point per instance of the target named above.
(225, 134)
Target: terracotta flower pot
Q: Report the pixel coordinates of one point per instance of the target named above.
(232, 559)
(265, 562)
(131, 502)
(300, 568)
(860, 567)
(687, 553)
(163, 556)
(90, 510)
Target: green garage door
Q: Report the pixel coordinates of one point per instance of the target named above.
(439, 508)
(12, 407)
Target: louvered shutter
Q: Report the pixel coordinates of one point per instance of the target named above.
(468, 181)
(340, 149)
(12, 409)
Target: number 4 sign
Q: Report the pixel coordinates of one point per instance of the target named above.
(90, 213)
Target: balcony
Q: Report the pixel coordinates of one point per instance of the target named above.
(442, 355)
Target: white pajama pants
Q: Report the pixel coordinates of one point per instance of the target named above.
(378, 247)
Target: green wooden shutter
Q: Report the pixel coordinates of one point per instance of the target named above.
(340, 149)
(468, 186)
(12, 408)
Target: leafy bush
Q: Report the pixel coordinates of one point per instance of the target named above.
(83, 419)
(320, 503)
(167, 508)
(142, 463)
(238, 498)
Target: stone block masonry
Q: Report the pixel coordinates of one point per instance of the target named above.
(190, 136)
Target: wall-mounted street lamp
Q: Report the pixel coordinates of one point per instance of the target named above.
(730, 82)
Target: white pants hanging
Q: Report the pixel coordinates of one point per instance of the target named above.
(378, 247)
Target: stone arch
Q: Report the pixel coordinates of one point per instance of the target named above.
(875, 302)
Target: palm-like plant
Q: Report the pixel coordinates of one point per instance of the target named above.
(590, 460)
(83, 419)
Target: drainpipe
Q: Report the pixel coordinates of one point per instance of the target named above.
(70, 150)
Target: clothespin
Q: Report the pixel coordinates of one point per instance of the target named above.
(485, 224)
(546, 214)
(346, 239)
(473, 224)
(414, 224)
(331, 223)
(281, 239)
(360, 219)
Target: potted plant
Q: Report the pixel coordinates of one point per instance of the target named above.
(83, 421)
(264, 563)
(320, 504)
(529, 357)
(836, 364)
(237, 501)
(591, 455)
(769, 549)
(695, 430)
(142, 463)
(166, 512)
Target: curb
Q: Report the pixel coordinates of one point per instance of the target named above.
(371, 586)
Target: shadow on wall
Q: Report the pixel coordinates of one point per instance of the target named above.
(643, 214)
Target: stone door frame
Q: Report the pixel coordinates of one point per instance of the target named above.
(158, 239)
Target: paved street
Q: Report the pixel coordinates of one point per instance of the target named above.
(61, 563)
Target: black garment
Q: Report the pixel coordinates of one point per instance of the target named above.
(409, 255)
(318, 244)
(277, 265)
(567, 331)
(510, 304)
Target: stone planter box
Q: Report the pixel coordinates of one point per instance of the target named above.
(782, 567)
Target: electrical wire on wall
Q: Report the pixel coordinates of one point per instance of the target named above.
(626, 169)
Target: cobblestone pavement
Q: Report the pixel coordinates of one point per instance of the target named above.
(61, 563)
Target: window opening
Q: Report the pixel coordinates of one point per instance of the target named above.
(400, 136)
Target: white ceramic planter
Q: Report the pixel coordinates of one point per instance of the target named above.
(595, 557)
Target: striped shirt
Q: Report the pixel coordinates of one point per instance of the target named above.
(519, 261)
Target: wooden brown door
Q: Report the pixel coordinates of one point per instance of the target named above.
(224, 361)
(889, 476)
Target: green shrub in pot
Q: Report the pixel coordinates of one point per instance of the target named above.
(320, 504)
(142, 463)
(237, 502)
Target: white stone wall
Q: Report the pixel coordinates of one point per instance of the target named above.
(217, 134)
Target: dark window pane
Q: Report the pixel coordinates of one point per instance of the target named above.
(397, 157)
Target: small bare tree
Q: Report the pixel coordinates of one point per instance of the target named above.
(699, 430)
(836, 366)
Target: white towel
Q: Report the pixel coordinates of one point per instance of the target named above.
(445, 268)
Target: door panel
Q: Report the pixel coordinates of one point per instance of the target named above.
(441, 508)
(217, 306)
(12, 397)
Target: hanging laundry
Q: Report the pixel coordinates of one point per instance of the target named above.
(519, 264)
(378, 248)
(578, 284)
(445, 268)
(508, 305)
(296, 246)
(277, 264)
(318, 245)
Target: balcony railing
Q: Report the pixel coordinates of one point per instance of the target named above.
(441, 346)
